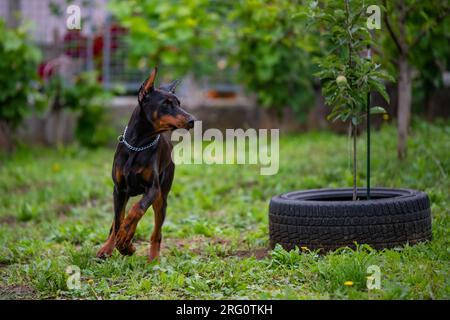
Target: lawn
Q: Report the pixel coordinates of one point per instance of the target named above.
(56, 210)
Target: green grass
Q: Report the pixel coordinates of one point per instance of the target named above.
(56, 210)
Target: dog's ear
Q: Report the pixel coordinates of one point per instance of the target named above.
(171, 87)
(148, 85)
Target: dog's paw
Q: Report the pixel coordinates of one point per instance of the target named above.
(105, 252)
(153, 254)
(123, 240)
(127, 251)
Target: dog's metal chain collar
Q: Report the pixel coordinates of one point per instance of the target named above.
(122, 139)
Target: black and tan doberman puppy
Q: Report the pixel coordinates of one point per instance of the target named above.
(143, 165)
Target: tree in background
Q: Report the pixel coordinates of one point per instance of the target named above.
(414, 36)
(272, 53)
(18, 76)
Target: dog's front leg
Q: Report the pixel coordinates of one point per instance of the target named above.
(160, 206)
(128, 227)
(120, 202)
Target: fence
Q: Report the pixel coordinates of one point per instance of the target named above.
(99, 44)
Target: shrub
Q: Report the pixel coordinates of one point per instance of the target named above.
(87, 97)
(18, 65)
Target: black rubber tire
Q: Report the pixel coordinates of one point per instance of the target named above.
(327, 218)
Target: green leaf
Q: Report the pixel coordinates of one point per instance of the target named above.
(379, 87)
(383, 75)
(377, 110)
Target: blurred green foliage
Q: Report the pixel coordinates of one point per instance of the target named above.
(87, 97)
(272, 53)
(262, 40)
(427, 37)
(179, 34)
(18, 74)
(268, 43)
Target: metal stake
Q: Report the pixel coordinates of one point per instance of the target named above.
(369, 57)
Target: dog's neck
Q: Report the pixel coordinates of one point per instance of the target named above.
(140, 130)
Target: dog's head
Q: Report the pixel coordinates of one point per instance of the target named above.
(162, 107)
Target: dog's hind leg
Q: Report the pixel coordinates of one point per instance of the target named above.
(127, 229)
(159, 207)
(120, 202)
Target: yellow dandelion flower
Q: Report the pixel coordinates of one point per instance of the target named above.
(90, 281)
(348, 283)
(385, 117)
(304, 248)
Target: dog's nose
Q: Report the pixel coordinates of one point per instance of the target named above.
(190, 123)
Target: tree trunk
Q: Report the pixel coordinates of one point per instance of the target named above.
(318, 114)
(6, 137)
(428, 100)
(404, 106)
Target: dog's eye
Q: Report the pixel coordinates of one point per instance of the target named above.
(167, 105)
